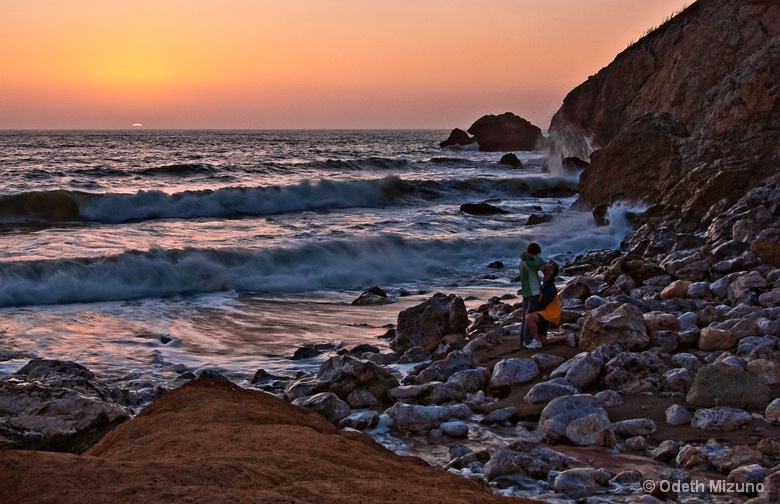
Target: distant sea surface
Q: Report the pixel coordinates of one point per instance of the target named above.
(141, 254)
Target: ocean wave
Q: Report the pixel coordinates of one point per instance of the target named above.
(387, 260)
(230, 202)
(57, 207)
(362, 164)
(42, 207)
(335, 265)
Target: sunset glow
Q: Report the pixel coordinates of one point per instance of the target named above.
(306, 63)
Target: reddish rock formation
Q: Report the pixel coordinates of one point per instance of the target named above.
(711, 71)
(212, 441)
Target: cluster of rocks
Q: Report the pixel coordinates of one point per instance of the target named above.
(700, 324)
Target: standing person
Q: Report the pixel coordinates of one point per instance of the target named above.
(547, 311)
(530, 262)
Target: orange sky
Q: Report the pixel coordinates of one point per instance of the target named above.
(76, 64)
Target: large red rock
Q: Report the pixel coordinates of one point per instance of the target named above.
(212, 441)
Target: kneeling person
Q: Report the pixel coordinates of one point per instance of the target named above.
(547, 310)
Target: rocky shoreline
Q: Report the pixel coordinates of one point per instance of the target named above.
(672, 378)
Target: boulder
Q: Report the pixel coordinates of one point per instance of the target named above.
(766, 246)
(660, 321)
(481, 209)
(584, 370)
(360, 420)
(429, 323)
(632, 372)
(470, 380)
(712, 338)
(591, 430)
(677, 380)
(511, 159)
(677, 289)
(457, 138)
(344, 374)
(501, 416)
(326, 404)
(534, 219)
(524, 459)
(772, 412)
(677, 414)
(545, 392)
(56, 405)
(614, 322)
(506, 132)
(581, 482)
(442, 370)
(416, 418)
(561, 411)
(634, 427)
(724, 419)
(719, 384)
(513, 371)
(371, 296)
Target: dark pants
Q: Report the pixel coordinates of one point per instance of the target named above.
(529, 304)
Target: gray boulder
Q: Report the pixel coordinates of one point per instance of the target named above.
(581, 481)
(719, 384)
(547, 391)
(429, 323)
(55, 405)
(344, 374)
(416, 418)
(326, 404)
(591, 430)
(720, 419)
(442, 370)
(614, 322)
(513, 372)
(524, 459)
(561, 411)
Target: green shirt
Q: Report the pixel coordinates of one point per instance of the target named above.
(529, 275)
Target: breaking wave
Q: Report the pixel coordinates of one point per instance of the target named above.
(39, 208)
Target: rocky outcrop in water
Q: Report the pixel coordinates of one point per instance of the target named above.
(686, 119)
(501, 133)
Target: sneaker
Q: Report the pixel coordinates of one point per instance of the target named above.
(534, 345)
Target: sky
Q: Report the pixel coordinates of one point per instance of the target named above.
(313, 64)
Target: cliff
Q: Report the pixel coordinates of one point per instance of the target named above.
(687, 119)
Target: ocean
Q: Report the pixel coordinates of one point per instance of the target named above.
(144, 254)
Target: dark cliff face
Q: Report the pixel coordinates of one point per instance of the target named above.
(686, 118)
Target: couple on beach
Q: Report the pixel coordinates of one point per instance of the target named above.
(541, 304)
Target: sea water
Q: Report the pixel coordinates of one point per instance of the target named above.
(144, 254)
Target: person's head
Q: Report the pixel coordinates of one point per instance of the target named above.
(550, 270)
(534, 248)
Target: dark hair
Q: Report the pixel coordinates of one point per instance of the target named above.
(534, 248)
(555, 268)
